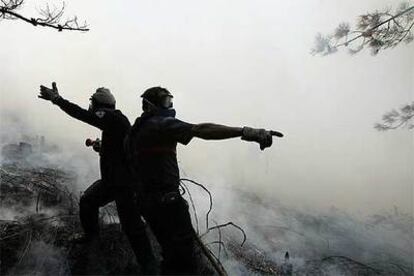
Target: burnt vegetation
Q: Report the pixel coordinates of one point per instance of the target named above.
(39, 218)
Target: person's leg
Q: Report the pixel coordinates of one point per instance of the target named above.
(181, 256)
(95, 196)
(135, 229)
(171, 224)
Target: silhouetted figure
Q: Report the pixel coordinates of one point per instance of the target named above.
(115, 183)
(286, 267)
(151, 148)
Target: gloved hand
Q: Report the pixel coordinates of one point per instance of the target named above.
(259, 135)
(49, 94)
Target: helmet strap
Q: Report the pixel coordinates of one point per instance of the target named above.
(152, 107)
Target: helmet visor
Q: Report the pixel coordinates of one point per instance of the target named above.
(167, 101)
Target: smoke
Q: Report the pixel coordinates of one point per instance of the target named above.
(329, 187)
(46, 151)
(42, 259)
(379, 240)
(273, 224)
(20, 210)
(49, 149)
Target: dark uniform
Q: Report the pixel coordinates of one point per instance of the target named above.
(152, 147)
(115, 183)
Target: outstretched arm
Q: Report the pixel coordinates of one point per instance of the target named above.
(73, 110)
(209, 131)
(79, 113)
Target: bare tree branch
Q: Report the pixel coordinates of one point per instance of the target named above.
(209, 196)
(51, 18)
(225, 225)
(192, 205)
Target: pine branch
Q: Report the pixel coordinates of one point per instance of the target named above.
(370, 31)
(403, 118)
(377, 30)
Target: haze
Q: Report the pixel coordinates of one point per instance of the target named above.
(236, 63)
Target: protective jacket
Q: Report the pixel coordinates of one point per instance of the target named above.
(114, 126)
(151, 147)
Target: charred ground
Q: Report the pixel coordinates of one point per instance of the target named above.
(39, 217)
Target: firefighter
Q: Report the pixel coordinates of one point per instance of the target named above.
(115, 183)
(151, 149)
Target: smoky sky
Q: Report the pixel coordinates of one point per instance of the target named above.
(239, 63)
